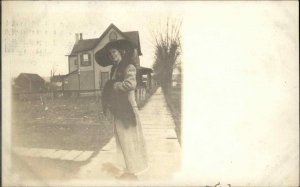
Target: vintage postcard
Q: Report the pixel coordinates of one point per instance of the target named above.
(150, 93)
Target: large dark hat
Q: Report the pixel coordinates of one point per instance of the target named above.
(124, 46)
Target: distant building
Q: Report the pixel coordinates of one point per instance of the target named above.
(85, 73)
(28, 82)
(56, 82)
(176, 77)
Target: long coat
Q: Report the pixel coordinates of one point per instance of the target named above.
(118, 93)
(127, 127)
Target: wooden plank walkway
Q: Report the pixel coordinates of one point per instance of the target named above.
(162, 146)
(58, 154)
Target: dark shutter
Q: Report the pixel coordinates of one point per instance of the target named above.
(89, 59)
(81, 59)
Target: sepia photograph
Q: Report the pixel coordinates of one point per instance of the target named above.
(150, 93)
(85, 104)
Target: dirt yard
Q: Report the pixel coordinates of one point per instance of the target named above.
(79, 110)
(62, 123)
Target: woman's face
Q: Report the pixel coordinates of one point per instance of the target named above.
(115, 56)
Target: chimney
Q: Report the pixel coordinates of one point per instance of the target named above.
(80, 36)
(76, 37)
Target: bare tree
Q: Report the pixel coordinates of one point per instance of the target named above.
(52, 73)
(167, 53)
(52, 87)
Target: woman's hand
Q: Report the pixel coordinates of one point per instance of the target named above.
(129, 82)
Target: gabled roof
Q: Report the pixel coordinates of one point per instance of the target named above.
(88, 44)
(31, 76)
(84, 45)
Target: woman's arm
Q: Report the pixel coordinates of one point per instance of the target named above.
(129, 82)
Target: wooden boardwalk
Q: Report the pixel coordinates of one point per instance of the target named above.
(162, 146)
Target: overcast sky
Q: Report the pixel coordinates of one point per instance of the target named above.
(46, 30)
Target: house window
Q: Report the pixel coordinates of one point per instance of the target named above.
(104, 78)
(85, 59)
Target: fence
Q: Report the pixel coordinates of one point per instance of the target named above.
(54, 94)
(142, 93)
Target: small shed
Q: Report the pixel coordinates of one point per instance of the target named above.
(29, 82)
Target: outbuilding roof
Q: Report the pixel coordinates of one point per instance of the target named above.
(31, 76)
(144, 70)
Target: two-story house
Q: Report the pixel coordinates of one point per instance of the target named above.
(85, 73)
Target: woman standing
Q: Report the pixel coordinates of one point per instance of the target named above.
(118, 96)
